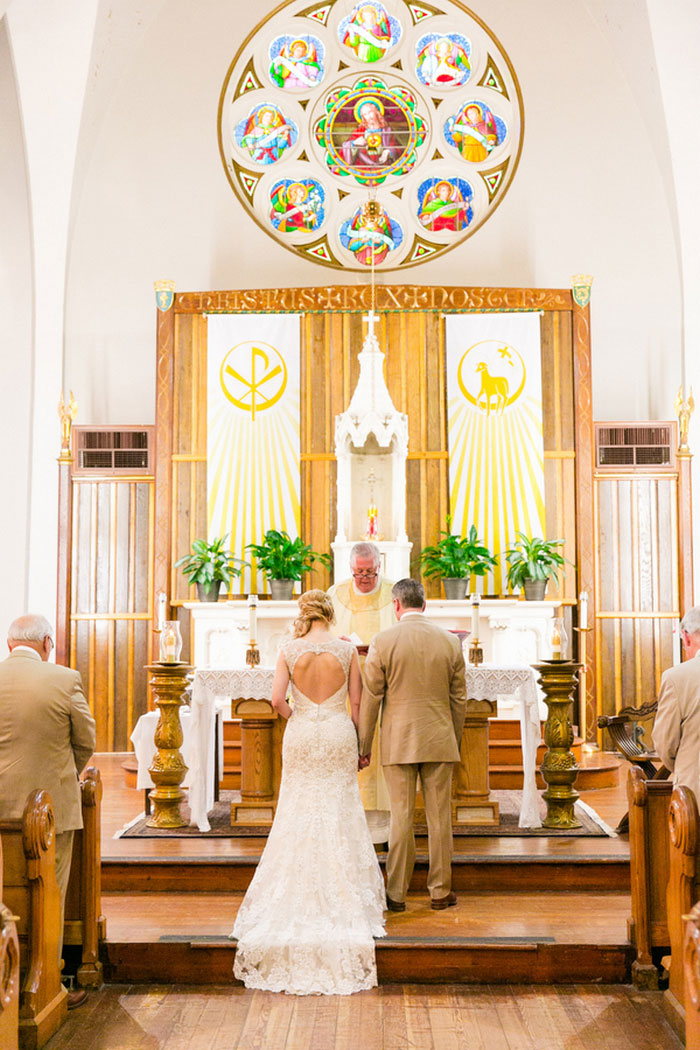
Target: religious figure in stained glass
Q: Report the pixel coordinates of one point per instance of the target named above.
(443, 61)
(297, 207)
(266, 133)
(445, 204)
(296, 62)
(370, 130)
(369, 31)
(371, 234)
(372, 143)
(475, 131)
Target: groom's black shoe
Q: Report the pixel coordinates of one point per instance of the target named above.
(395, 905)
(438, 903)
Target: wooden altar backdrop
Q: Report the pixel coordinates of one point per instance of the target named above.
(411, 335)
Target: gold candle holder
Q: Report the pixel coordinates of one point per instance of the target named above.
(169, 682)
(476, 653)
(252, 656)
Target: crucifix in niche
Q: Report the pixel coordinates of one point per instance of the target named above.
(372, 532)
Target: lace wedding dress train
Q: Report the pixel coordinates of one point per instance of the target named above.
(308, 921)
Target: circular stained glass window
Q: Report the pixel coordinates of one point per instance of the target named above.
(414, 105)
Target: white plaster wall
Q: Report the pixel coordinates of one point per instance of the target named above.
(591, 194)
(15, 348)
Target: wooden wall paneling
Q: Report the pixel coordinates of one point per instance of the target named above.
(686, 598)
(165, 366)
(112, 599)
(585, 523)
(64, 560)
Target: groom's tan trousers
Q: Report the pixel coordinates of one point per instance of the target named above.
(436, 783)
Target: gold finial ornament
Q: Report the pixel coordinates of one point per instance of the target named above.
(581, 284)
(684, 410)
(67, 414)
(165, 294)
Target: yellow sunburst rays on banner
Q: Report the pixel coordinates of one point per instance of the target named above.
(253, 439)
(496, 453)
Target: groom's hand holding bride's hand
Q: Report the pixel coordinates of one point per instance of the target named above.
(363, 761)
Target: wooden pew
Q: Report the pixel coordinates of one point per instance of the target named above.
(31, 892)
(84, 923)
(691, 973)
(9, 975)
(649, 802)
(684, 880)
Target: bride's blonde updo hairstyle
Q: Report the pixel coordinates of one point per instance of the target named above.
(313, 605)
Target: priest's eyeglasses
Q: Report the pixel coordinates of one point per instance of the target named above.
(364, 574)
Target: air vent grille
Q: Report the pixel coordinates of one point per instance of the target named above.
(640, 446)
(111, 450)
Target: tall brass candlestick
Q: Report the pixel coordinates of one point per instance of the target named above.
(168, 682)
(559, 769)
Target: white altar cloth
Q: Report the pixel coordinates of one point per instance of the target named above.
(199, 778)
(488, 682)
(208, 686)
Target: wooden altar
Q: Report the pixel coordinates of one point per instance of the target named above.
(262, 733)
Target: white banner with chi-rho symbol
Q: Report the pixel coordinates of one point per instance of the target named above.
(494, 390)
(253, 431)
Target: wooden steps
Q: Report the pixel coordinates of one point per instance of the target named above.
(404, 960)
(591, 872)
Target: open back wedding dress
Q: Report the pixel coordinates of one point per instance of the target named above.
(308, 921)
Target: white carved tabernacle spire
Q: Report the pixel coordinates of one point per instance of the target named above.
(371, 410)
(372, 427)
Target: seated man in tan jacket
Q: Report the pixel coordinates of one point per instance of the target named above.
(414, 673)
(676, 732)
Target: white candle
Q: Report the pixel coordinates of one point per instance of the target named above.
(475, 616)
(161, 609)
(583, 611)
(252, 617)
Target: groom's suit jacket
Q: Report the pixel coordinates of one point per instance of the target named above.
(47, 735)
(414, 674)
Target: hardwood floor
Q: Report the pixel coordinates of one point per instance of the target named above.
(392, 1017)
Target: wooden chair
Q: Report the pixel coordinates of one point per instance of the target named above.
(84, 924)
(649, 802)
(684, 879)
(31, 892)
(9, 975)
(628, 731)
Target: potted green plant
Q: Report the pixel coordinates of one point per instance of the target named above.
(455, 558)
(531, 563)
(209, 565)
(284, 560)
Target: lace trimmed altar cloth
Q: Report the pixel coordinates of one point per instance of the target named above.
(488, 682)
(207, 686)
(307, 923)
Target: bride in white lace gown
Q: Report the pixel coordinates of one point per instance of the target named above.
(308, 921)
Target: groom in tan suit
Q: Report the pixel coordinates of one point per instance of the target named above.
(414, 673)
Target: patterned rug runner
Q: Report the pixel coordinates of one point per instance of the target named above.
(509, 801)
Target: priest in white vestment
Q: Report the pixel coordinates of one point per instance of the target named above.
(363, 607)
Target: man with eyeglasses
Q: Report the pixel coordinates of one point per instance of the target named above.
(676, 732)
(363, 607)
(47, 735)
